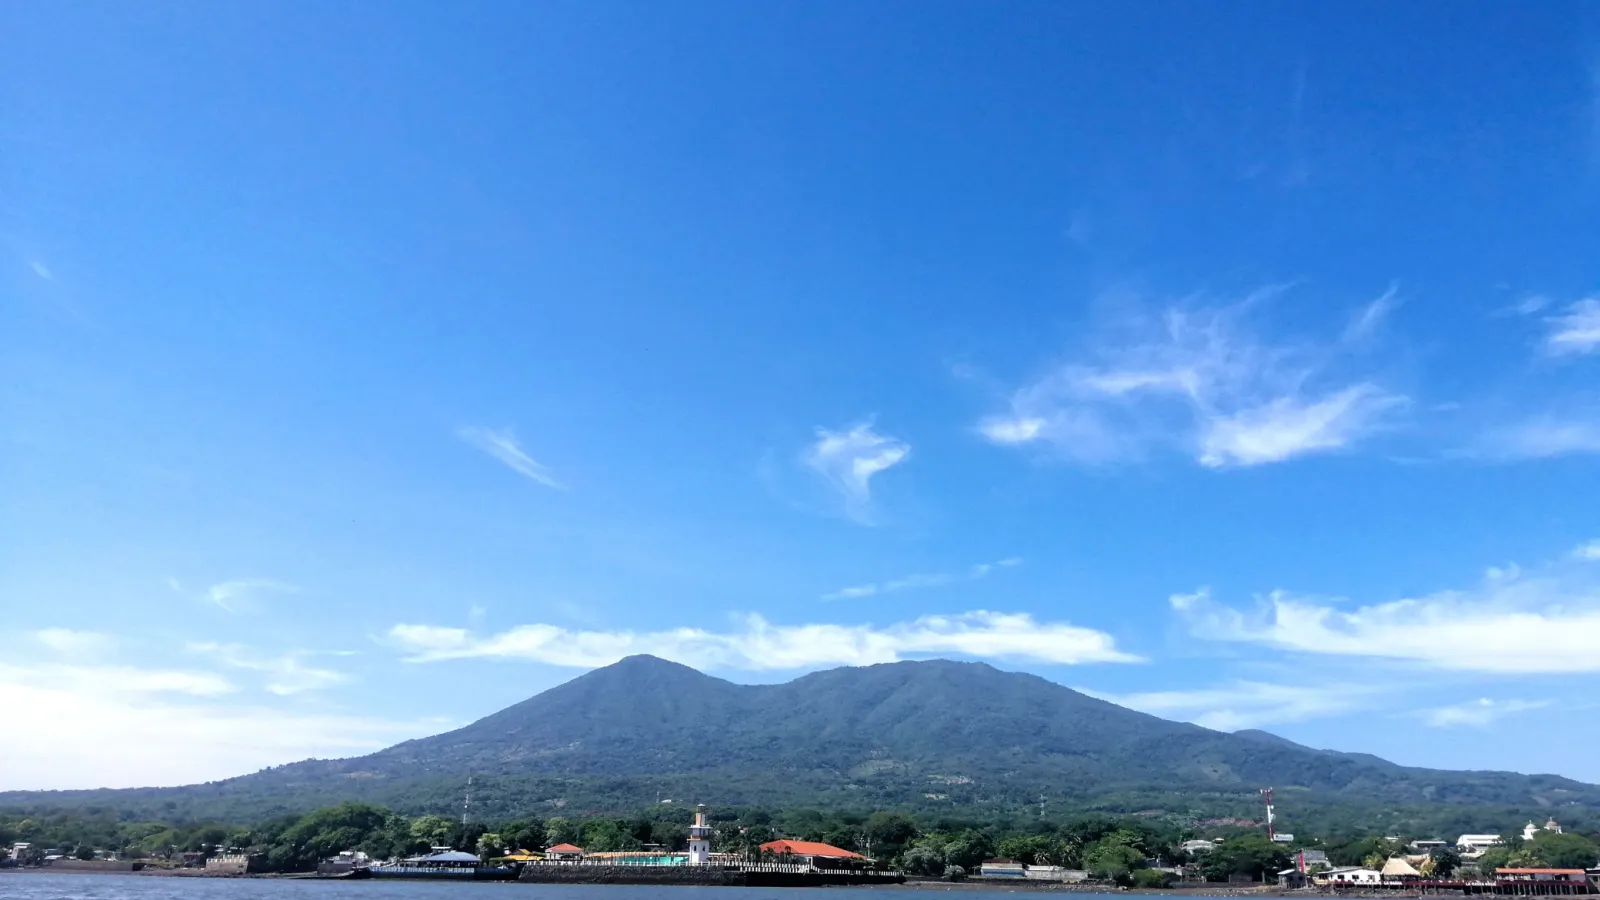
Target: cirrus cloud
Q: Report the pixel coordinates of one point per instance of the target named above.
(848, 460)
(1478, 713)
(1575, 331)
(502, 445)
(1201, 380)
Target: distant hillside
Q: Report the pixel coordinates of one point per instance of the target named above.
(933, 734)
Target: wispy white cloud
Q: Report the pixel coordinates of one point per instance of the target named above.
(1576, 330)
(1544, 437)
(41, 270)
(1529, 305)
(1512, 623)
(1366, 322)
(122, 681)
(244, 595)
(1288, 426)
(847, 461)
(285, 675)
(1478, 713)
(909, 582)
(1203, 381)
(502, 445)
(758, 645)
(1588, 551)
(70, 642)
(1247, 704)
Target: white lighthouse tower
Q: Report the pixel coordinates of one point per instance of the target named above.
(699, 838)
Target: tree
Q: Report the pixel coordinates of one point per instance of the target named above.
(434, 831)
(923, 861)
(1027, 849)
(889, 833)
(1562, 851)
(1445, 862)
(559, 830)
(968, 850)
(675, 837)
(1113, 856)
(491, 845)
(607, 836)
(84, 852)
(1248, 854)
(523, 834)
(1494, 858)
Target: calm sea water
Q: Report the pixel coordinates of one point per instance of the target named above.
(39, 886)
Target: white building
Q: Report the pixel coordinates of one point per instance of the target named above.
(1351, 875)
(1055, 873)
(1531, 831)
(699, 838)
(1477, 843)
(1002, 868)
(1197, 846)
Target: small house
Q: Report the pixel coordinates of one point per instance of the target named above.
(1351, 875)
(1292, 878)
(1002, 868)
(815, 854)
(563, 853)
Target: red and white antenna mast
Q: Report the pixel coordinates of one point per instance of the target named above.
(1267, 793)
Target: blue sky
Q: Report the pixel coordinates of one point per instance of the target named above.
(367, 368)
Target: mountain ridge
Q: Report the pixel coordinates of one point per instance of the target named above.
(910, 734)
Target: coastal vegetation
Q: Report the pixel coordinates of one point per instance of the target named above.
(1120, 848)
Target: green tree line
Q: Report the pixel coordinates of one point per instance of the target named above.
(1121, 848)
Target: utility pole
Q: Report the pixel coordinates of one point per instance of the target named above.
(466, 807)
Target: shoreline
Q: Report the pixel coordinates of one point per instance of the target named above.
(971, 885)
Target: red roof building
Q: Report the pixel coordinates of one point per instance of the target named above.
(563, 851)
(808, 848)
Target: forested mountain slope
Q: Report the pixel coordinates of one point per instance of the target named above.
(909, 735)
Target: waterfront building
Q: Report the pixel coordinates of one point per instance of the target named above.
(1541, 881)
(1358, 875)
(1398, 871)
(1292, 878)
(814, 853)
(561, 852)
(1002, 868)
(699, 838)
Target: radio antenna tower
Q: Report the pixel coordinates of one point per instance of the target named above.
(1267, 792)
(466, 806)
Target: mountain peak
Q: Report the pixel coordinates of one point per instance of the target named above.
(924, 733)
